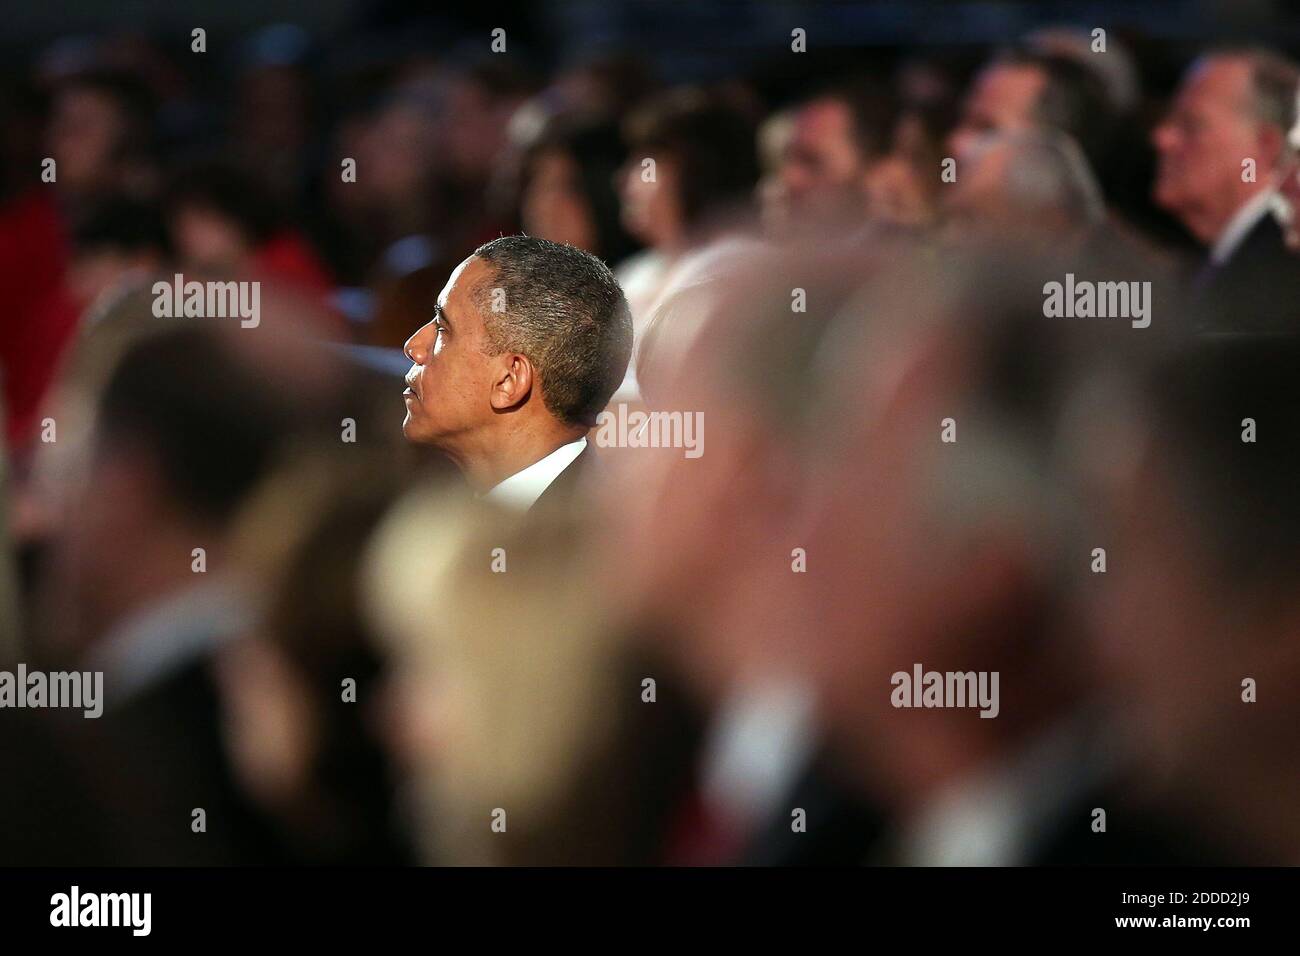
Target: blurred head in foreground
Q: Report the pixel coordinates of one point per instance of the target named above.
(945, 544)
(1198, 621)
(184, 427)
(524, 736)
(708, 505)
(303, 720)
(171, 423)
(1022, 185)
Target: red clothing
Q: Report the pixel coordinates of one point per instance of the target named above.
(288, 260)
(39, 317)
(286, 256)
(700, 836)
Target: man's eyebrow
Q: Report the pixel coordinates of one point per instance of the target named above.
(440, 315)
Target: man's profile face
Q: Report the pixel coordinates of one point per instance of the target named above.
(87, 128)
(1004, 100)
(450, 380)
(822, 165)
(975, 206)
(1201, 145)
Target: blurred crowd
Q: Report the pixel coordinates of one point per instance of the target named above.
(311, 652)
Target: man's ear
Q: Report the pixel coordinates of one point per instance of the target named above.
(512, 381)
(1272, 140)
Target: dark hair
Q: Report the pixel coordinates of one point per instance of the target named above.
(212, 422)
(1073, 101)
(499, 77)
(597, 151)
(623, 79)
(565, 311)
(712, 141)
(224, 188)
(314, 616)
(121, 223)
(133, 99)
(873, 111)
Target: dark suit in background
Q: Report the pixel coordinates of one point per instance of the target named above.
(1257, 290)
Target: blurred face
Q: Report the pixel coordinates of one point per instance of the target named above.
(474, 131)
(207, 240)
(651, 208)
(554, 207)
(676, 534)
(273, 107)
(822, 171)
(448, 386)
(975, 206)
(881, 591)
(399, 150)
(689, 548)
(1200, 146)
(1004, 100)
(271, 730)
(1167, 641)
(85, 132)
(895, 193)
(94, 271)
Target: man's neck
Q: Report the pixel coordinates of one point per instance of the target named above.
(499, 458)
(161, 568)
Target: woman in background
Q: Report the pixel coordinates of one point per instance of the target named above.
(568, 189)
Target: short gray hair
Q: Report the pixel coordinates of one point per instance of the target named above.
(563, 308)
(1273, 82)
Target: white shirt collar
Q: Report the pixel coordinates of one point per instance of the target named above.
(759, 743)
(1245, 219)
(522, 489)
(994, 820)
(153, 642)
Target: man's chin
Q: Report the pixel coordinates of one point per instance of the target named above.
(418, 432)
(1171, 199)
(412, 431)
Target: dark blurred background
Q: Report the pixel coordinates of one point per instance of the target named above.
(228, 525)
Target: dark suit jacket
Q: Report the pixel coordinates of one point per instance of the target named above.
(155, 759)
(45, 816)
(1133, 837)
(1256, 291)
(841, 826)
(561, 495)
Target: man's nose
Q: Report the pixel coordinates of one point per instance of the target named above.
(958, 142)
(1163, 136)
(794, 177)
(415, 347)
